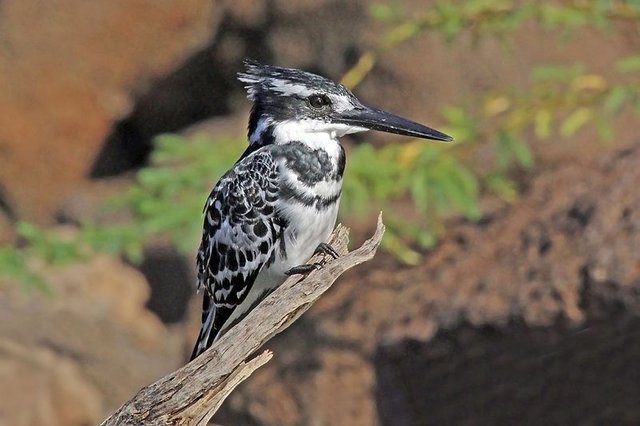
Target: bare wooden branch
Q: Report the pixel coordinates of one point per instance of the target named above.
(193, 393)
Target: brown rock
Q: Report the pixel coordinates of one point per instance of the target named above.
(96, 325)
(42, 387)
(64, 85)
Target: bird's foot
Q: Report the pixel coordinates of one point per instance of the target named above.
(304, 269)
(326, 249)
(323, 248)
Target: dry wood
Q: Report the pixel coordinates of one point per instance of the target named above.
(193, 393)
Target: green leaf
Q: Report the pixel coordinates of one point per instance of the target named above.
(460, 123)
(394, 244)
(509, 146)
(628, 64)
(450, 19)
(402, 32)
(420, 192)
(575, 121)
(542, 123)
(386, 12)
(557, 72)
(605, 130)
(554, 16)
(522, 152)
(635, 101)
(502, 186)
(465, 196)
(615, 99)
(29, 231)
(426, 238)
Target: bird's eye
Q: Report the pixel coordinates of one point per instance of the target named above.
(318, 101)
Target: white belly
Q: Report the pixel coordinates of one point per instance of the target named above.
(307, 228)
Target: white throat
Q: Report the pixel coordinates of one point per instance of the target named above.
(314, 133)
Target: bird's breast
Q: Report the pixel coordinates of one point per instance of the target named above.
(309, 189)
(306, 227)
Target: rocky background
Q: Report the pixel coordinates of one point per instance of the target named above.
(526, 317)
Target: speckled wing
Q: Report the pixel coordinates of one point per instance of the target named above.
(239, 234)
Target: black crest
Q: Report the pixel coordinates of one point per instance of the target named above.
(262, 80)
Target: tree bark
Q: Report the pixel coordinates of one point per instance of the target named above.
(192, 394)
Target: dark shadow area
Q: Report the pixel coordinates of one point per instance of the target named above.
(517, 375)
(172, 283)
(197, 90)
(5, 205)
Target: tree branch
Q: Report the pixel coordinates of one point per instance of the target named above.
(193, 393)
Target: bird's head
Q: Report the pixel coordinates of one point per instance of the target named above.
(299, 102)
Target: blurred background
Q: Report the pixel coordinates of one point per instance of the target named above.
(507, 290)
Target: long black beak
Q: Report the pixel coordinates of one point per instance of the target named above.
(375, 119)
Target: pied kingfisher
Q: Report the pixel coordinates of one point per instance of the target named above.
(277, 206)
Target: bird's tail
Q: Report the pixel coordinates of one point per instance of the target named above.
(208, 333)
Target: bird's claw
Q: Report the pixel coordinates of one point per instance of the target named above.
(326, 249)
(323, 248)
(304, 269)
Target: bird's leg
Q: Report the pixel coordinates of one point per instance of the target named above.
(323, 248)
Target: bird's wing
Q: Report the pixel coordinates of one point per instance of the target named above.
(241, 229)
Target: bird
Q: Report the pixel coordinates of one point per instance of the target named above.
(277, 205)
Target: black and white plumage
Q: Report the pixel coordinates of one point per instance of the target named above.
(278, 204)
